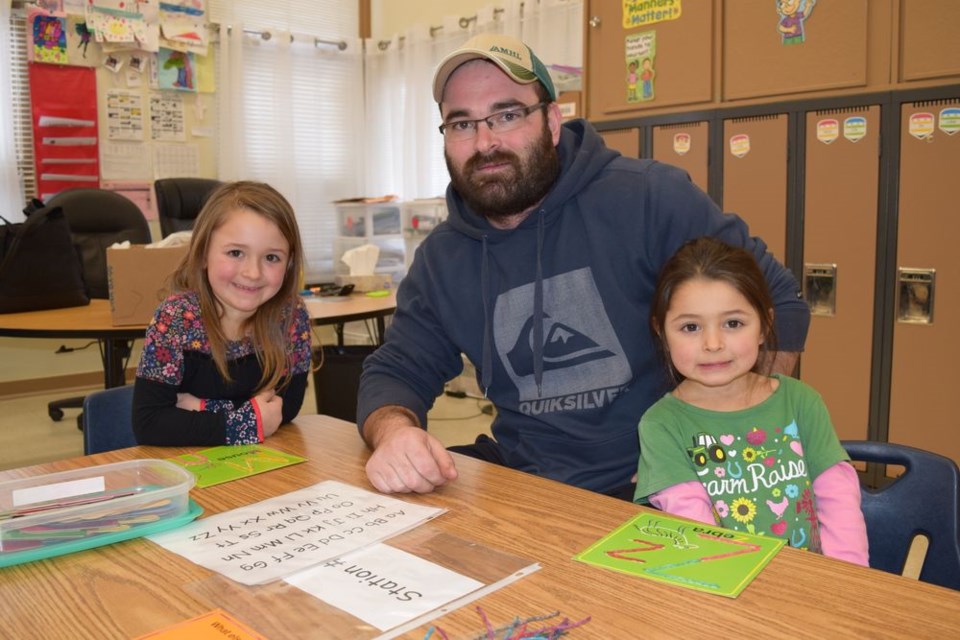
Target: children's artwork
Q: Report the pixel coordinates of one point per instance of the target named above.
(223, 464)
(183, 26)
(79, 51)
(646, 12)
(272, 539)
(641, 49)
(693, 555)
(48, 39)
(793, 14)
(176, 70)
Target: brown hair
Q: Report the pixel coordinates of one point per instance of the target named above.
(270, 323)
(711, 259)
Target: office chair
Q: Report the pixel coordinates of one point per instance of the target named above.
(98, 218)
(107, 420)
(179, 200)
(922, 503)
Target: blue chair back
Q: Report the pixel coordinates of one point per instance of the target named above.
(925, 500)
(108, 420)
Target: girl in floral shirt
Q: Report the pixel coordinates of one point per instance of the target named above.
(226, 357)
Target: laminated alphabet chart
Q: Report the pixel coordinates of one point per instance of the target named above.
(690, 554)
(274, 538)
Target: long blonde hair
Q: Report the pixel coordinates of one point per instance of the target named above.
(269, 325)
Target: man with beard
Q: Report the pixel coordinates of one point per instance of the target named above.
(542, 275)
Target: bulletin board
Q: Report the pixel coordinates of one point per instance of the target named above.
(122, 94)
(827, 48)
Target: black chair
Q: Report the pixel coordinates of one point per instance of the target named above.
(98, 218)
(923, 503)
(107, 420)
(179, 201)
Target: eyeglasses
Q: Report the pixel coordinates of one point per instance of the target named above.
(500, 122)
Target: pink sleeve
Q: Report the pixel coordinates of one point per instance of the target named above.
(843, 533)
(687, 499)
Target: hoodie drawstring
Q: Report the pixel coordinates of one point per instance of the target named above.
(486, 377)
(538, 311)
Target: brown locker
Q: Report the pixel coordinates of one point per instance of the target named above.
(926, 347)
(757, 63)
(755, 176)
(682, 57)
(626, 141)
(686, 146)
(929, 37)
(842, 174)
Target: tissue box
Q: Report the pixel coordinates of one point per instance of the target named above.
(391, 260)
(138, 280)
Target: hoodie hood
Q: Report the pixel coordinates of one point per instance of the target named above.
(582, 155)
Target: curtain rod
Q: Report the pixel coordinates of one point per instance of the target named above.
(465, 22)
(266, 35)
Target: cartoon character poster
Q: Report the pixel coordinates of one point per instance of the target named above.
(793, 14)
(176, 70)
(82, 51)
(641, 55)
(48, 39)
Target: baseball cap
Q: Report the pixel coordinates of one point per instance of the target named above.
(515, 58)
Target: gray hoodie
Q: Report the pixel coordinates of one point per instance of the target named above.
(554, 314)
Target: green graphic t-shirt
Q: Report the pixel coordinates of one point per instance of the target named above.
(757, 465)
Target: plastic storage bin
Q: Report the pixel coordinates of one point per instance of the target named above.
(420, 217)
(59, 513)
(367, 220)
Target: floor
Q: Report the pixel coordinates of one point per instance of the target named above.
(28, 435)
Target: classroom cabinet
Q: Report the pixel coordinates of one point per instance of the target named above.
(841, 153)
(663, 56)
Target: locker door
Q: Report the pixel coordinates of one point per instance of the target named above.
(755, 176)
(626, 141)
(926, 348)
(839, 255)
(686, 146)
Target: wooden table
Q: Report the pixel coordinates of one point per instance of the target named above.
(94, 322)
(91, 321)
(136, 587)
(339, 310)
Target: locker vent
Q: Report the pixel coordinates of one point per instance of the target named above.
(826, 112)
(681, 125)
(769, 116)
(936, 103)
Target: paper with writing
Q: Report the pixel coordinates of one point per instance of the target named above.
(277, 537)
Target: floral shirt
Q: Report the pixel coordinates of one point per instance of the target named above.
(176, 359)
(757, 465)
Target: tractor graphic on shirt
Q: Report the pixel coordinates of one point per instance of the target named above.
(705, 447)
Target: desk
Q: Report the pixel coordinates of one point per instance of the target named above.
(340, 310)
(135, 587)
(91, 321)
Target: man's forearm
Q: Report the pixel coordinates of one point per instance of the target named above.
(783, 362)
(383, 420)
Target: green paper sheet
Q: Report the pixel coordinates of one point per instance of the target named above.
(697, 556)
(226, 463)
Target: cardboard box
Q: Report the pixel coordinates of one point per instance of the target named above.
(139, 281)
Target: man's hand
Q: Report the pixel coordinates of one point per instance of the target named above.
(188, 401)
(405, 458)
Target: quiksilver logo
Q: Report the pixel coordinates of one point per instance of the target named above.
(509, 52)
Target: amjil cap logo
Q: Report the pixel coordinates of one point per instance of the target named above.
(509, 52)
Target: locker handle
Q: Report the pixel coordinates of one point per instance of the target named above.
(820, 288)
(915, 294)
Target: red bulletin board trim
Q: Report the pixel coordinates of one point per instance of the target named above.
(64, 94)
